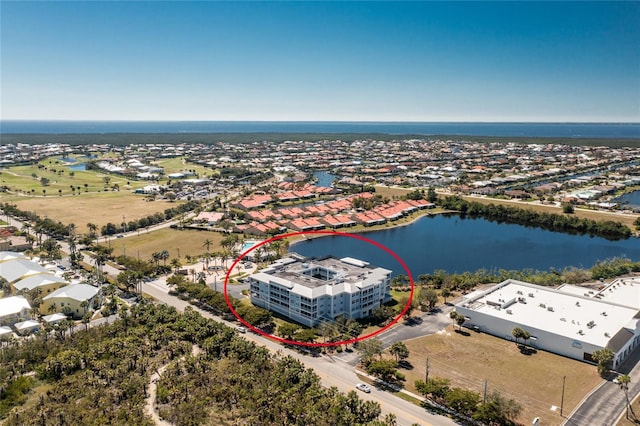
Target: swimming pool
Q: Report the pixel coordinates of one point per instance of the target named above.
(247, 245)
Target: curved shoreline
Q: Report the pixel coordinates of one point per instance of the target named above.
(412, 220)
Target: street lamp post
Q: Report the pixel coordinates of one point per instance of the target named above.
(564, 378)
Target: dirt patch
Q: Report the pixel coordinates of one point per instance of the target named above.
(474, 360)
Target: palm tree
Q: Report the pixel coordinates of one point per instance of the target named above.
(175, 264)
(164, 255)
(86, 319)
(84, 305)
(93, 228)
(623, 382)
(99, 259)
(229, 241)
(257, 254)
(207, 243)
(224, 256)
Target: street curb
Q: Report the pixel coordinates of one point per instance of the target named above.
(567, 418)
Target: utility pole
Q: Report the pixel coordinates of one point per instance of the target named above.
(485, 393)
(564, 378)
(426, 374)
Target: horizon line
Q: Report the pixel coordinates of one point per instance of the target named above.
(313, 121)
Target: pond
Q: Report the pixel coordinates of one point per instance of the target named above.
(457, 245)
(78, 167)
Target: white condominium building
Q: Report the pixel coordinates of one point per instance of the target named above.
(314, 290)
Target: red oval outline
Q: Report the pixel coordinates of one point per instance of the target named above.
(309, 344)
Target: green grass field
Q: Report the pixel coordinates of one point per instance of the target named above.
(472, 360)
(90, 203)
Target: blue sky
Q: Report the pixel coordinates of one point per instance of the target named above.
(321, 61)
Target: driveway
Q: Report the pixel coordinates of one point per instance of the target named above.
(419, 326)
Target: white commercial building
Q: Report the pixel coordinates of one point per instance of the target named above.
(571, 321)
(310, 291)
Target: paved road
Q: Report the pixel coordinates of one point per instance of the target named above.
(607, 403)
(332, 371)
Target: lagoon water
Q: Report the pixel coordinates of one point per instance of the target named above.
(457, 245)
(324, 178)
(631, 199)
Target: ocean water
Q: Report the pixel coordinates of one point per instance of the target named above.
(565, 130)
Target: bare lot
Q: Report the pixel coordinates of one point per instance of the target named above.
(472, 360)
(178, 243)
(99, 208)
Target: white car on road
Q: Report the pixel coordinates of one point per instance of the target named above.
(363, 387)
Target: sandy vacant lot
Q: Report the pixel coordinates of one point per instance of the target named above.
(475, 360)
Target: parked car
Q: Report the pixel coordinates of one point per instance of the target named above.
(364, 388)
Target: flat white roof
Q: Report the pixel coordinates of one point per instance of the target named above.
(354, 262)
(588, 319)
(349, 276)
(623, 291)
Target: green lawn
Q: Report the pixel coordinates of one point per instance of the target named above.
(91, 203)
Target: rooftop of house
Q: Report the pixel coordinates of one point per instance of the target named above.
(79, 292)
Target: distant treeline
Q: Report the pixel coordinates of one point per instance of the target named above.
(40, 225)
(553, 222)
(211, 138)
